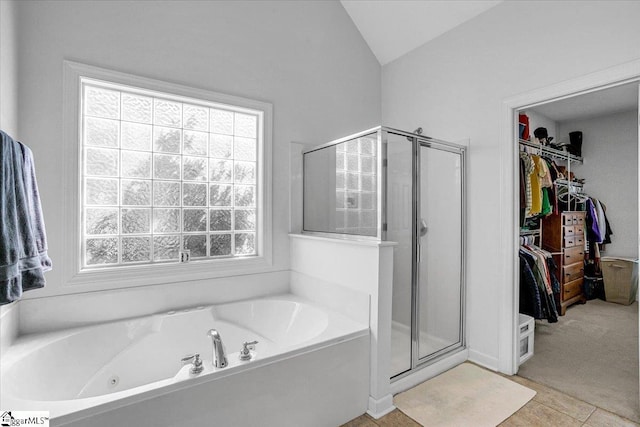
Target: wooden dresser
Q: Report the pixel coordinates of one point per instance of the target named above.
(563, 236)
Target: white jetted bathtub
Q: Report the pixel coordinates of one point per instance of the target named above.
(309, 361)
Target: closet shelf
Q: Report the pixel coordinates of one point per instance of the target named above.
(524, 232)
(552, 152)
(571, 183)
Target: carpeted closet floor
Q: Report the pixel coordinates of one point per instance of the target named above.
(591, 354)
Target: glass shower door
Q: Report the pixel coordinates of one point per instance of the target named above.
(439, 251)
(399, 203)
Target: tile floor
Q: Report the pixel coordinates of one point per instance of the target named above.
(548, 408)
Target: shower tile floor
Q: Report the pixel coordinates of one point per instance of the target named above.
(548, 407)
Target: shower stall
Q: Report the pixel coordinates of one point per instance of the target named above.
(389, 185)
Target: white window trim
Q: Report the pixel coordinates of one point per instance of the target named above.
(153, 274)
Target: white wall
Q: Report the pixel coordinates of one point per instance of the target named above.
(8, 69)
(610, 168)
(306, 58)
(9, 124)
(454, 88)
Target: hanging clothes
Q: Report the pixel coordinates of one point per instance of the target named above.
(546, 203)
(538, 292)
(530, 301)
(536, 188)
(529, 168)
(602, 224)
(609, 232)
(551, 191)
(544, 179)
(598, 234)
(543, 172)
(523, 192)
(23, 243)
(593, 228)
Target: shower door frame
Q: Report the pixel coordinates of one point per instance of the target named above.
(417, 142)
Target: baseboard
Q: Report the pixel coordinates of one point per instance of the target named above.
(427, 372)
(378, 408)
(484, 360)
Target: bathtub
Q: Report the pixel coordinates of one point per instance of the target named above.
(310, 367)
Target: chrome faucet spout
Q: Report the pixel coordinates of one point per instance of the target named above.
(219, 356)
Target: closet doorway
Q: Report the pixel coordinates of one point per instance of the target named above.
(583, 345)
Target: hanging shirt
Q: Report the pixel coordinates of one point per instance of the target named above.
(543, 173)
(593, 230)
(546, 203)
(536, 188)
(602, 223)
(529, 168)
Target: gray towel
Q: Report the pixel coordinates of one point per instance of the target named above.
(23, 242)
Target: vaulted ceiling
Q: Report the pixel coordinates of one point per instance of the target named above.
(392, 28)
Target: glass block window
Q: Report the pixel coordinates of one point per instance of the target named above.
(163, 174)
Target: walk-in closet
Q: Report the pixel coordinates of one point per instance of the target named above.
(578, 254)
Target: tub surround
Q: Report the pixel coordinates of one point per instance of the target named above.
(354, 304)
(364, 266)
(68, 311)
(9, 325)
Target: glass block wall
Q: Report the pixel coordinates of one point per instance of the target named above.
(163, 174)
(356, 181)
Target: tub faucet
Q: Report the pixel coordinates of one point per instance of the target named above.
(219, 356)
(196, 367)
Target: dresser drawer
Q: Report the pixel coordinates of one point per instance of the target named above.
(572, 272)
(569, 230)
(573, 255)
(578, 239)
(571, 289)
(567, 218)
(573, 218)
(573, 240)
(578, 229)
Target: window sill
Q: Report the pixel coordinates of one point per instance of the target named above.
(157, 274)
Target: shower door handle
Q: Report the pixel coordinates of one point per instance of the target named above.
(423, 228)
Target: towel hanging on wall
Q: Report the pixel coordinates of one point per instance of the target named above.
(23, 242)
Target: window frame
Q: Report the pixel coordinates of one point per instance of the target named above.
(165, 272)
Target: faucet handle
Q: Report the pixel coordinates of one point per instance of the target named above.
(245, 353)
(197, 363)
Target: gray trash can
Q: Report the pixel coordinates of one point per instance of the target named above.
(620, 279)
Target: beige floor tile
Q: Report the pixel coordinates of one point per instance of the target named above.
(362, 421)
(602, 418)
(559, 401)
(396, 418)
(537, 414)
